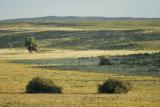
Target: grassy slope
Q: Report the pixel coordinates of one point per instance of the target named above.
(143, 35)
(77, 71)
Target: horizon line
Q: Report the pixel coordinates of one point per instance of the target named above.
(79, 16)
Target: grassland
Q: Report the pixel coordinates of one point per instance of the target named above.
(69, 56)
(104, 35)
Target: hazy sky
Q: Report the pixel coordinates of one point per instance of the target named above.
(109, 8)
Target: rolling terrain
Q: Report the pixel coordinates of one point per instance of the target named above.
(69, 51)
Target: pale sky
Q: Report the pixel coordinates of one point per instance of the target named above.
(10, 9)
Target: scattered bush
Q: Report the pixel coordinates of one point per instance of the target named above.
(114, 86)
(41, 85)
(104, 61)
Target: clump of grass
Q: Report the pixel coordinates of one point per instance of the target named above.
(104, 61)
(114, 86)
(42, 85)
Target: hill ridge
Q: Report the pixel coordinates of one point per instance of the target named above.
(76, 18)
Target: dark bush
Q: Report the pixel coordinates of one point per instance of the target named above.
(104, 61)
(114, 86)
(41, 85)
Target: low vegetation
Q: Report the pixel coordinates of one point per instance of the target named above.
(41, 85)
(105, 35)
(114, 86)
(143, 59)
(79, 86)
(104, 61)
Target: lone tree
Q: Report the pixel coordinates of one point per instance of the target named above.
(31, 44)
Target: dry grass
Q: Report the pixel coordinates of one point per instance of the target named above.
(56, 53)
(79, 87)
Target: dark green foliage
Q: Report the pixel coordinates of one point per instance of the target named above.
(104, 61)
(141, 59)
(31, 44)
(41, 85)
(114, 86)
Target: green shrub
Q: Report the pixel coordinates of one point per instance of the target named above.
(104, 61)
(41, 85)
(114, 86)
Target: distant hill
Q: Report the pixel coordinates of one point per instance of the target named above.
(74, 18)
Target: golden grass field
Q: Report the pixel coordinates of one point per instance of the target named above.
(78, 77)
